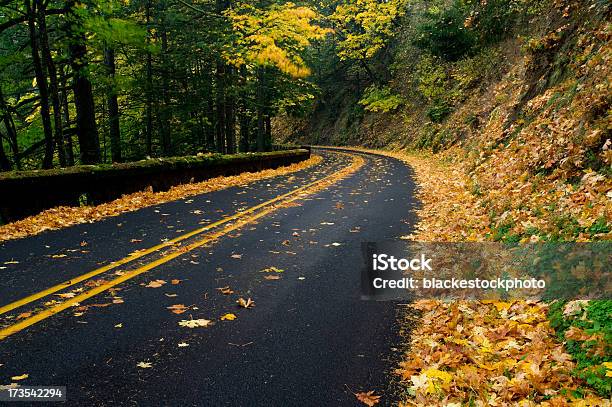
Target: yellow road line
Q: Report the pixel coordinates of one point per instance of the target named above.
(10, 330)
(51, 290)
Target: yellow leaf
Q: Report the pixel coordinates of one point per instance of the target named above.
(23, 376)
(228, 317)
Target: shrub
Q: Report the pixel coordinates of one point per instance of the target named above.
(380, 99)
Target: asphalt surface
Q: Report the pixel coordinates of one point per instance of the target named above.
(308, 341)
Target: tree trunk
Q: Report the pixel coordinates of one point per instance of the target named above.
(41, 82)
(58, 130)
(261, 105)
(220, 105)
(9, 124)
(113, 106)
(149, 86)
(230, 117)
(166, 116)
(268, 142)
(87, 131)
(244, 144)
(5, 164)
(66, 114)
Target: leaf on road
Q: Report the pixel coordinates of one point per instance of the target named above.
(369, 399)
(195, 323)
(171, 295)
(144, 365)
(236, 256)
(96, 283)
(175, 281)
(120, 325)
(66, 295)
(225, 290)
(23, 315)
(228, 317)
(272, 270)
(178, 308)
(272, 277)
(22, 377)
(183, 345)
(155, 284)
(58, 256)
(248, 303)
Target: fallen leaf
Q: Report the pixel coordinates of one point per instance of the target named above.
(245, 303)
(194, 323)
(120, 325)
(66, 295)
(272, 277)
(236, 256)
(175, 281)
(155, 284)
(58, 256)
(225, 290)
(23, 315)
(369, 399)
(183, 345)
(23, 376)
(144, 365)
(272, 270)
(178, 308)
(228, 317)
(171, 295)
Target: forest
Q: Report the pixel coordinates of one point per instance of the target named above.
(111, 81)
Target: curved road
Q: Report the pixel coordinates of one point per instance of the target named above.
(309, 339)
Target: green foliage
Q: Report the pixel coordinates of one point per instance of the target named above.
(443, 33)
(380, 99)
(595, 319)
(439, 111)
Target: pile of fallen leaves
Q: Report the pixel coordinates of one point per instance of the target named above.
(489, 354)
(63, 216)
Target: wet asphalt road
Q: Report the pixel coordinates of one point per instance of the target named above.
(309, 339)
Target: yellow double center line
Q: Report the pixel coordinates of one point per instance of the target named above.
(240, 218)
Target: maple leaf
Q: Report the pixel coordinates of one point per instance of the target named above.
(22, 377)
(144, 365)
(248, 303)
(155, 284)
(195, 323)
(368, 398)
(228, 317)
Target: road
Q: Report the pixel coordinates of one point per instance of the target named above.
(308, 340)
